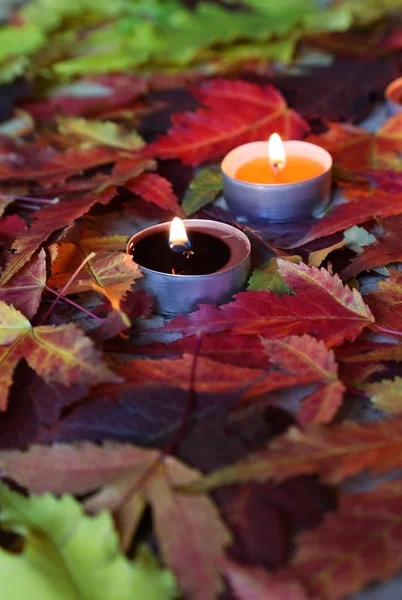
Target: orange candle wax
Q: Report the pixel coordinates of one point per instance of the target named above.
(297, 168)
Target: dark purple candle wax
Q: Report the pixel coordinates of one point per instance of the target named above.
(208, 254)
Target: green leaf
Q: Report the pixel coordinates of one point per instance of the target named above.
(100, 132)
(203, 189)
(70, 556)
(267, 277)
(48, 15)
(355, 237)
(18, 41)
(338, 18)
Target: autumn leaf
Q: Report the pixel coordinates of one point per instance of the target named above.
(327, 92)
(385, 302)
(65, 549)
(189, 529)
(196, 523)
(76, 469)
(211, 132)
(61, 354)
(10, 228)
(156, 189)
(369, 352)
(258, 584)
(24, 290)
(316, 258)
(357, 149)
(334, 312)
(302, 360)
(268, 278)
(49, 166)
(110, 272)
(50, 219)
(386, 394)
(204, 188)
(88, 96)
(334, 452)
(211, 376)
(355, 545)
(4, 202)
(384, 250)
(360, 206)
(99, 133)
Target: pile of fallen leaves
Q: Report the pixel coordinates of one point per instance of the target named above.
(244, 451)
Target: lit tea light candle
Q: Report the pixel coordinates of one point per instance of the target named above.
(277, 181)
(393, 95)
(187, 263)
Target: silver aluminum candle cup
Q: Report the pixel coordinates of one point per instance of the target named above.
(393, 95)
(175, 294)
(276, 202)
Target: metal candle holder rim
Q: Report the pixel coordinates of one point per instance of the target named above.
(290, 146)
(236, 257)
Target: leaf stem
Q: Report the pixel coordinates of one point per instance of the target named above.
(385, 330)
(85, 310)
(29, 199)
(69, 282)
(191, 398)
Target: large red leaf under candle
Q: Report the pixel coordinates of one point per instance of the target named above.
(236, 112)
(322, 307)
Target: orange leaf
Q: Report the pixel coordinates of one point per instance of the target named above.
(302, 360)
(211, 376)
(358, 150)
(49, 219)
(61, 354)
(386, 304)
(237, 112)
(252, 583)
(111, 272)
(24, 290)
(334, 452)
(358, 544)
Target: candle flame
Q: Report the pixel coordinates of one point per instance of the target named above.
(178, 234)
(276, 152)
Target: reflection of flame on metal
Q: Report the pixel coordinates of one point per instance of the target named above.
(178, 240)
(276, 152)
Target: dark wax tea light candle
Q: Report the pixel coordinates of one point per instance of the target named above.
(186, 264)
(206, 254)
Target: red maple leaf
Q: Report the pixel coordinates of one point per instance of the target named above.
(236, 112)
(322, 307)
(156, 189)
(32, 162)
(357, 149)
(360, 206)
(88, 96)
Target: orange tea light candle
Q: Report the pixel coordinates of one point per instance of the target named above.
(277, 181)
